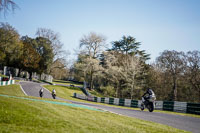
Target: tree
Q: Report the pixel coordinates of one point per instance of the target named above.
(7, 5)
(193, 70)
(88, 68)
(10, 45)
(112, 70)
(60, 70)
(172, 63)
(92, 45)
(44, 49)
(59, 55)
(30, 58)
(131, 70)
(129, 45)
(132, 60)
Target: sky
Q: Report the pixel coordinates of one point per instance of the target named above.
(158, 24)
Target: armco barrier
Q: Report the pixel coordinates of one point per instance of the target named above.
(168, 105)
(121, 102)
(184, 107)
(134, 103)
(193, 108)
(180, 107)
(2, 83)
(111, 100)
(102, 100)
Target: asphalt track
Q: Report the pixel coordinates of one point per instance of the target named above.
(177, 121)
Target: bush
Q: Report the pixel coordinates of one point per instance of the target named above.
(108, 91)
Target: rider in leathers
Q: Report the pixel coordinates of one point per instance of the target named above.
(148, 94)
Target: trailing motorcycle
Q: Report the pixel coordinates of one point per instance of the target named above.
(41, 92)
(54, 95)
(148, 103)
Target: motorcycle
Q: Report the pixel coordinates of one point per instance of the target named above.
(149, 104)
(41, 93)
(54, 95)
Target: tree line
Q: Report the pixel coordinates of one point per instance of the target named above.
(42, 54)
(122, 71)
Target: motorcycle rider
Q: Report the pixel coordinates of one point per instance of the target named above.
(53, 92)
(41, 92)
(148, 94)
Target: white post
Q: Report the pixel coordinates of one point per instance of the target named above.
(4, 70)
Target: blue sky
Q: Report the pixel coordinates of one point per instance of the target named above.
(158, 24)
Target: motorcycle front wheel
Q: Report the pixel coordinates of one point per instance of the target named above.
(150, 107)
(142, 107)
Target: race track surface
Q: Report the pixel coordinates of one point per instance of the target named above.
(177, 121)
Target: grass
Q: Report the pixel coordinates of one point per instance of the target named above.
(1, 75)
(19, 115)
(93, 92)
(13, 90)
(64, 92)
(66, 83)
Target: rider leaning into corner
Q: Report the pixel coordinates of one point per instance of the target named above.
(54, 91)
(41, 92)
(148, 94)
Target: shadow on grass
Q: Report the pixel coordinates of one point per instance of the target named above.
(61, 81)
(70, 87)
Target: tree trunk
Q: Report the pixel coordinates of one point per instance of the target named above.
(91, 81)
(174, 89)
(131, 92)
(18, 75)
(116, 93)
(199, 95)
(30, 76)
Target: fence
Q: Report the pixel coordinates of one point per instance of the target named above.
(183, 107)
(2, 83)
(25, 75)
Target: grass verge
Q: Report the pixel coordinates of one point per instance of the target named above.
(13, 90)
(20, 115)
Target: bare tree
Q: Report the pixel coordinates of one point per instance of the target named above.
(131, 69)
(59, 54)
(89, 67)
(172, 63)
(193, 70)
(93, 44)
(7, 5)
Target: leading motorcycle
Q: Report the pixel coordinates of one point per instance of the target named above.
(149, 103)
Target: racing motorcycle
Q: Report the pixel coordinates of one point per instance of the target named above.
(54, 95)
(41, 93)
(149, 104)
